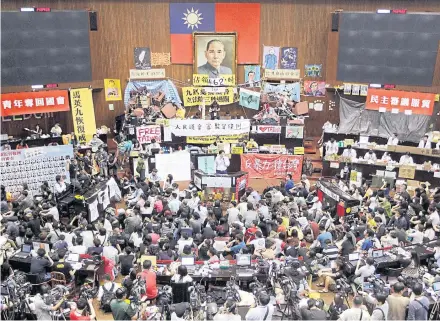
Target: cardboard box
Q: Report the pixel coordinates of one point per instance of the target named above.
(301, 108)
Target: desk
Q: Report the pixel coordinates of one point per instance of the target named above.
(33, 142)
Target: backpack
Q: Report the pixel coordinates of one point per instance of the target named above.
(107, 297)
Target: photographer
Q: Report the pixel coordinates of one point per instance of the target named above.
(121, 310)
(42, 310)
(336, 307)
(228, 312)
(313, 311)
(263, 311)
(78, 311)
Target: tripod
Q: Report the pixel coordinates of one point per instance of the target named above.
(435, 312)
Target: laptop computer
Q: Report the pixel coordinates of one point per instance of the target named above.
(244, 262)
(190, 264)
(25, 251)
(73, 258)
(353, 257)
(436, 287)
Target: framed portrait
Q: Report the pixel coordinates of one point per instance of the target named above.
(215, 54)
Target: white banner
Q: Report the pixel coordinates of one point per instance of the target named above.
(146, 133)
(268, 129)
(200, 127)
(147, 74)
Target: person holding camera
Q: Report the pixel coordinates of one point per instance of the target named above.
(228, 312)
(42, 310)
(263, 311)
(336, 307)
(78, 310)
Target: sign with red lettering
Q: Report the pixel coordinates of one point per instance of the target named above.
(146, 133)
(400, 101)
(33, 102)
(272, 166)
(267, 129)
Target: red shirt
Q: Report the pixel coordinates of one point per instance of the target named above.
(154, 238)
(250, 234)
(150, 281)
(158, 206)
(74, 316)
(315, 228)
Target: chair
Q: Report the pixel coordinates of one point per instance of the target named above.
(393, 272)
(57, 278)
(180, 292)
(35, 281)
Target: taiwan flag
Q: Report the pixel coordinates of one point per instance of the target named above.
(242, 18)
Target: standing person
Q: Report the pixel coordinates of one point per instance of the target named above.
(221, 163)
(112, 164)
(263, 311)
(356, 312)
(331, 147)
(397, 302)
(95, 143)
(289, 183)
(380, 312)
(393, 140)
(419, 307)
(150, 278)
(102, 160)
(121, 310)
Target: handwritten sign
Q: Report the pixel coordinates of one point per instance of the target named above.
(194, 96)
(222, 80)
(147, 74)
(299, 151)
(284, 74)
(407, 172)
(237, 150)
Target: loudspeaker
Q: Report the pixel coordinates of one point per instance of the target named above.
(93, 18)
(335, 21)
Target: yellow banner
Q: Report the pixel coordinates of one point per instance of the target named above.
(112, 89)
(222, 80)
(83, 114)
(163, 121)
(237, 150)
(211, 139)
(193, 96)
(298, 150)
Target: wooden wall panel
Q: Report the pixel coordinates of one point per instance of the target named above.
(123, 25)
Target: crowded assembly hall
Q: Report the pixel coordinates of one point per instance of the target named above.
(220, 160)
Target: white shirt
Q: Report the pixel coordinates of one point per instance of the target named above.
(182, 242)
(331, 148)
(151, 146)
(259, 244)
(386, 158)
(259, 312)
(174, 205)
(108, 287)
(242, 207)
(350, 153)
(78, 249)
(417, 237)
(59, 188)
(370, 157)
(221, 163)
(111, 253)
(393, 141)
(406, 160)
(178, 279)
(435, 218)
(56, 130)
(233, 213)
(423, 144)
(88, 238)
(354, 314)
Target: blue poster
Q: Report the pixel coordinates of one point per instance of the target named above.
(252, 76)
(249, 99)
(293, 90)
(206, 164)
(288, 57)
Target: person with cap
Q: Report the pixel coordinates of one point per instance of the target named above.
(370, 156)
(356, 312)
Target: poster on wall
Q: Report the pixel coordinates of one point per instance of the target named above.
(112, 89)
(314, 88)
(206, 164)
(34, 166)
(271, 57)
(215, 54)
(241, 184)
(142, 58)
(288, 57)
(250, 99)
(146, 133)
(295, 132)
(271, 165)
(83, 114)
(313, 70)
(252, 76)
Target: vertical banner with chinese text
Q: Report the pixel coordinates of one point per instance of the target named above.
(83, 114)
(272, 166)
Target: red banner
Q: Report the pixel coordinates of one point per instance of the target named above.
(272, 165)
(396, 101)
(33, 102)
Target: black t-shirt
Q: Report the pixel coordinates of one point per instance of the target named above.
(313, 314)
(291, 251)
(65, 268)
(34, 225)
(347, 247)
(208, 233)
(338, 274)
(126, 263)
(39, 265)
(72, 171)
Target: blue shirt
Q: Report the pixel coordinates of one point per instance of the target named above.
(289, 185)
(236, 248)
(367, 244)
(324, 237)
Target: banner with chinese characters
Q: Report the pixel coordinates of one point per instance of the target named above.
(207, 140)
(193, 96)
(271, 165)
(396, 101)
(147, 74)
(34, 166)
(33, 102)
(407, 171)
(241, 183)
(282, 74)
(146, 133)
(222, 80)
(200, 127)
(83, 114)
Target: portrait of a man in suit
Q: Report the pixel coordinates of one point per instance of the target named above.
(215, 54)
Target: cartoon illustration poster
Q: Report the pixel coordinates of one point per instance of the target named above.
(314, 88)
(288, 57)
(252, 76)
(112, 89)
(271, 57)
(313, 70)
